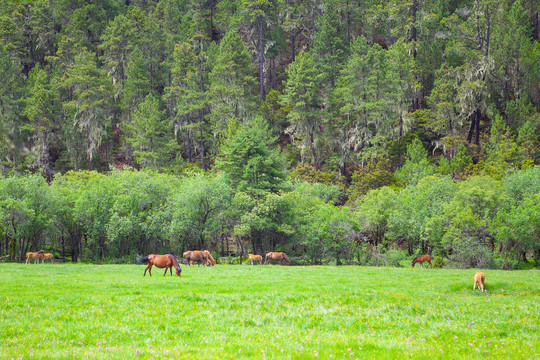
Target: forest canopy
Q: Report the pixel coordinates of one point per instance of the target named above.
(334, 129)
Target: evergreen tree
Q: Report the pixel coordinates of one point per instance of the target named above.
(10, 108)
(187, 97)
(41, 109)
(231, 84)
(303, 95)
(151, 135)
(250, 160)
(88, 106)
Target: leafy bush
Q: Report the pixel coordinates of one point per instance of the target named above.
(470, 253)
(438, 263)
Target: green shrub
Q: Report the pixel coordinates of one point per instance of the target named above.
(470, 253)
(438, 263)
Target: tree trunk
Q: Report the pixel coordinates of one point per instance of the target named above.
(203, 162)
(260, 26)
(88, 144)
(414, 39)
(293, 49)
(315, 161)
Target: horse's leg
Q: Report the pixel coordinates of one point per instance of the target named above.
(165, 271)
(149, 269)
(430, 264)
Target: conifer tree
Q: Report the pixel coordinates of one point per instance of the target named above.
(231, 84)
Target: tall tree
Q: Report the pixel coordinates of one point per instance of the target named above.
(42, 111)
(151, 135)
(187, 96)
(10, 108)
(231, 83)
(88, 106)
(258, 15)
(303, 95)
(250, 160)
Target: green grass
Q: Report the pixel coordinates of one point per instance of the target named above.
(112, 311)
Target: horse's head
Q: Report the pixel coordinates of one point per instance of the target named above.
(178, 271)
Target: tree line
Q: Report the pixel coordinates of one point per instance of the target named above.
(161, 84)
(290, 113)
(479, 222)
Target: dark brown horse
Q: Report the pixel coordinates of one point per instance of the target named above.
(422, 259)
(166, 261)
(276, 256)
(195, 255)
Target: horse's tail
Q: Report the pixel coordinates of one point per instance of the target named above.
(141, 260)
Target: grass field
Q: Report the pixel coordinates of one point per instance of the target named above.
(66, 311)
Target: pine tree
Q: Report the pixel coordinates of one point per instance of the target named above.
(41, 109)
(304, 96)
(251, 161)
(88, 106)
(231, 84)
(151, 135)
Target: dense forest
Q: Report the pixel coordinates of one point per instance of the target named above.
(337, 130)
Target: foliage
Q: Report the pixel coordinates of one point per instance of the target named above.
(250, 161)
(440, 98)
(370, 177)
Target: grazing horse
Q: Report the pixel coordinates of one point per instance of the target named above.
(421, 259)
(33, 255)
(255, 258)
(210, 261)
(166, 261)
(276, 256)
(479, 279)
(195, 255)
(46, 256)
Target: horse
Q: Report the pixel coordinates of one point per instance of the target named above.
(421, 259)
(210, 261)
(166, 261)
(195, 255)
(46, 256)
(255, 258)
(479, 279)
(33, 255)
(276, 256)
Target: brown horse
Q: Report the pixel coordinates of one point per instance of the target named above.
(255, 258)
(33, 255)
(210, 261)
(421, 259)
(166, 261)
(195, 255)
(46, 256)
(276, 256)
(479, 279)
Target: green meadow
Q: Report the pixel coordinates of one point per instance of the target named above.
(66, 311)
